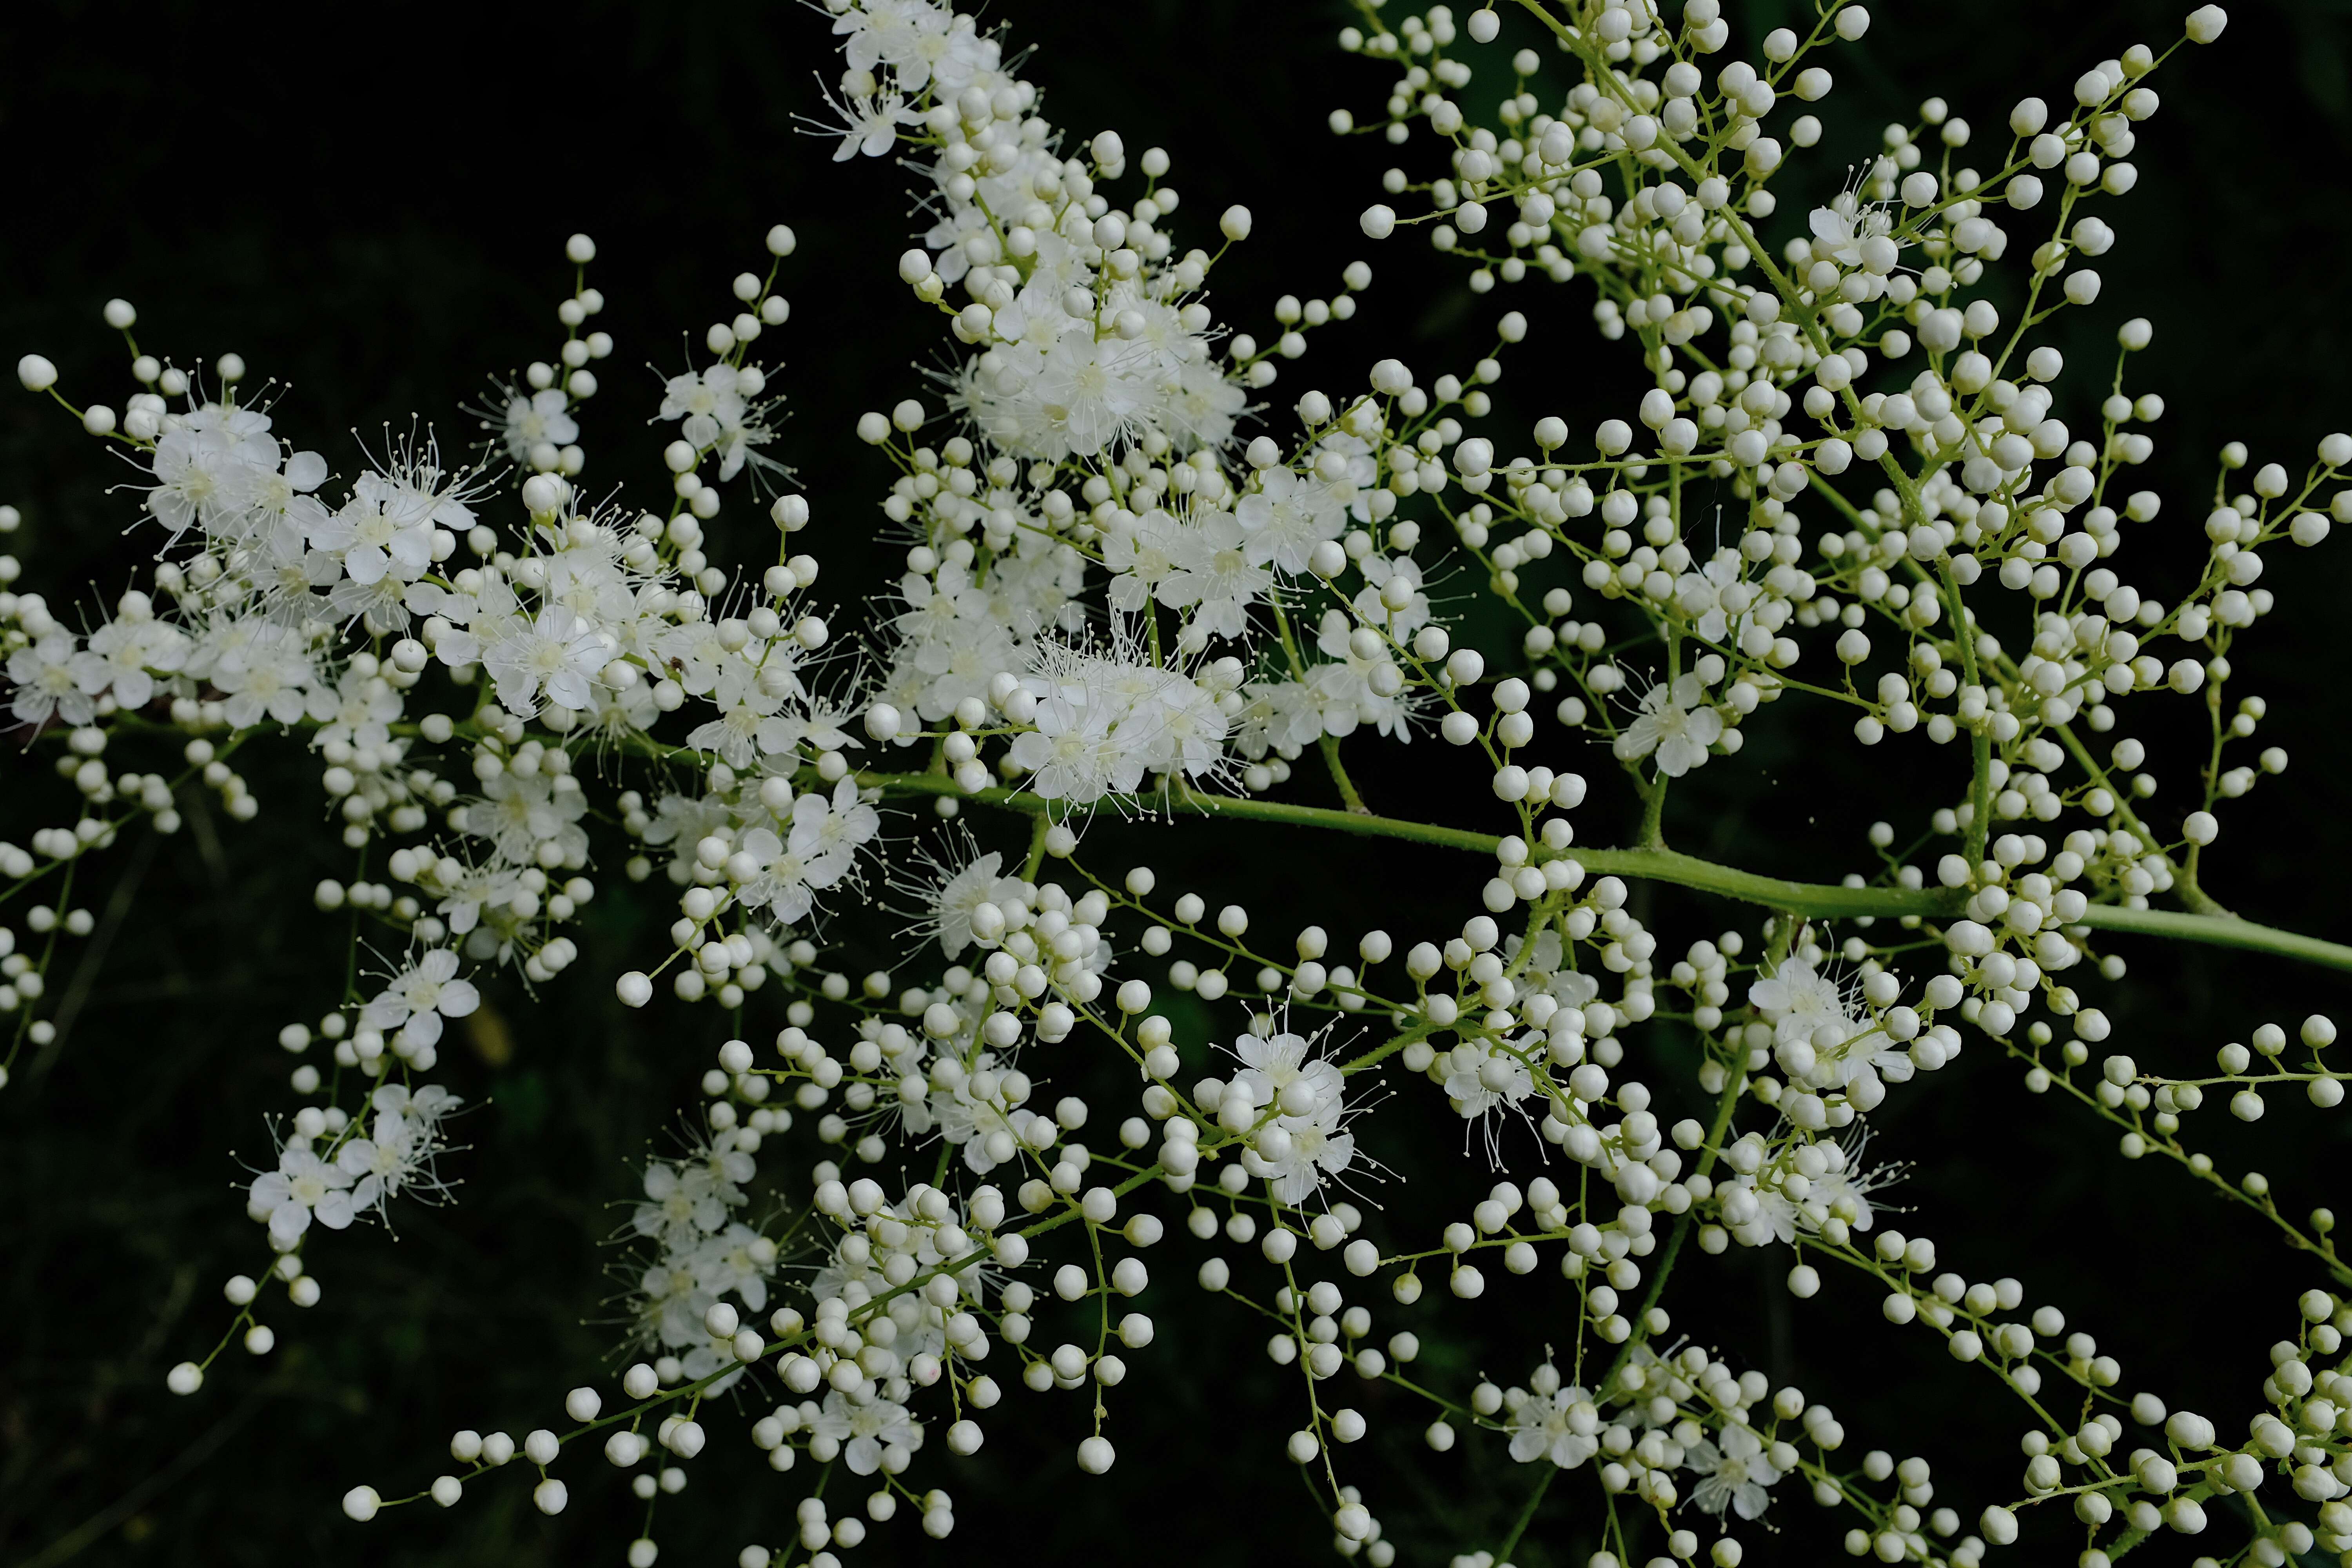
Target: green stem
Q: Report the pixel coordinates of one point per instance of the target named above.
(1980, 737)
(1037, 846)
(1654, 814)
(1339, 776)
(1813, 900)
(1526, 1515)
(1735, 1083)
(2217, 931)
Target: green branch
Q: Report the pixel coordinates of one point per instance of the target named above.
(1810, 901)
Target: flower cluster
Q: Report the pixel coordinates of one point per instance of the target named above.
(1129, 589)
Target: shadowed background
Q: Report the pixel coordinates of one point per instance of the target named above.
(375, 217)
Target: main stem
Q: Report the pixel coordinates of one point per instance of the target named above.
(1812, 900)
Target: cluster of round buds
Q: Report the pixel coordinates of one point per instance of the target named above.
(1262, 599)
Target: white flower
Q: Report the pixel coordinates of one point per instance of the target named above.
(1218, 576)
(1278, 1069)
(559, 654)
(1280, 716)
(781, 883)
(1845, 1190)
(969, 1118)
(1757, 1215)
(1481, 1075)
(1304, 1143)
(1087, 393)
(303, 1187)
(1561, 1426)
(206, 469)
(366, 707)
(713, 407)
(1674, 722)
(1343, 688)
(421, 996)
(540, 420)
(399, 1153)
(522, 815)
(749, 725)
(870, 125)
(1149, 557)
(952, 906)
(1393, 579)
(270, 676)
(385, 529)
(738, 1261)
(690, 1198)
(1710, 595)
(1840, 228)
(1069, 755)
(279, 508)
(1799, 1001)
(1294, 1153)
(1285, 518)
(469, 891)
(685, 821)
(45, 685)
(1735, 1473)
(863, 1428)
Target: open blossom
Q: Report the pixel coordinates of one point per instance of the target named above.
(1561, 1426)
(1305, 1142)
(1482, 1076)
(1277, 1070)
(1844, 230)
(1713, 596)
(1285, 518)
(366, 707)
(1343, 689)
(784, 871)
(543, 420)
(952, 907)
(1111, 592)
(279, 511)
(1734, 1473)
(271, 675)
(1757, 1215)
(1070, 754)
(1218, 579)
(870, 125)
(304, 1187)
(122, 654)
(397, 1153)
(1148, 558)
(1284, 717)
(863, 1428)
(523, 816)
(384, 527)
(556, 657)
(46, 682)
(969, 1116)
(750, 722)
(420, 996)
(209, 468)
(1296, 1154)
(1800, 1000)
(715, 412)
(695, 1192)
(1674, 723)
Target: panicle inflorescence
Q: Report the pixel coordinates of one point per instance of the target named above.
(1127, 584)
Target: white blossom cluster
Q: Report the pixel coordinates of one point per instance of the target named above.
(1128, 587)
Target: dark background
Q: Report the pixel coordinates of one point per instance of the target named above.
(374, 214)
